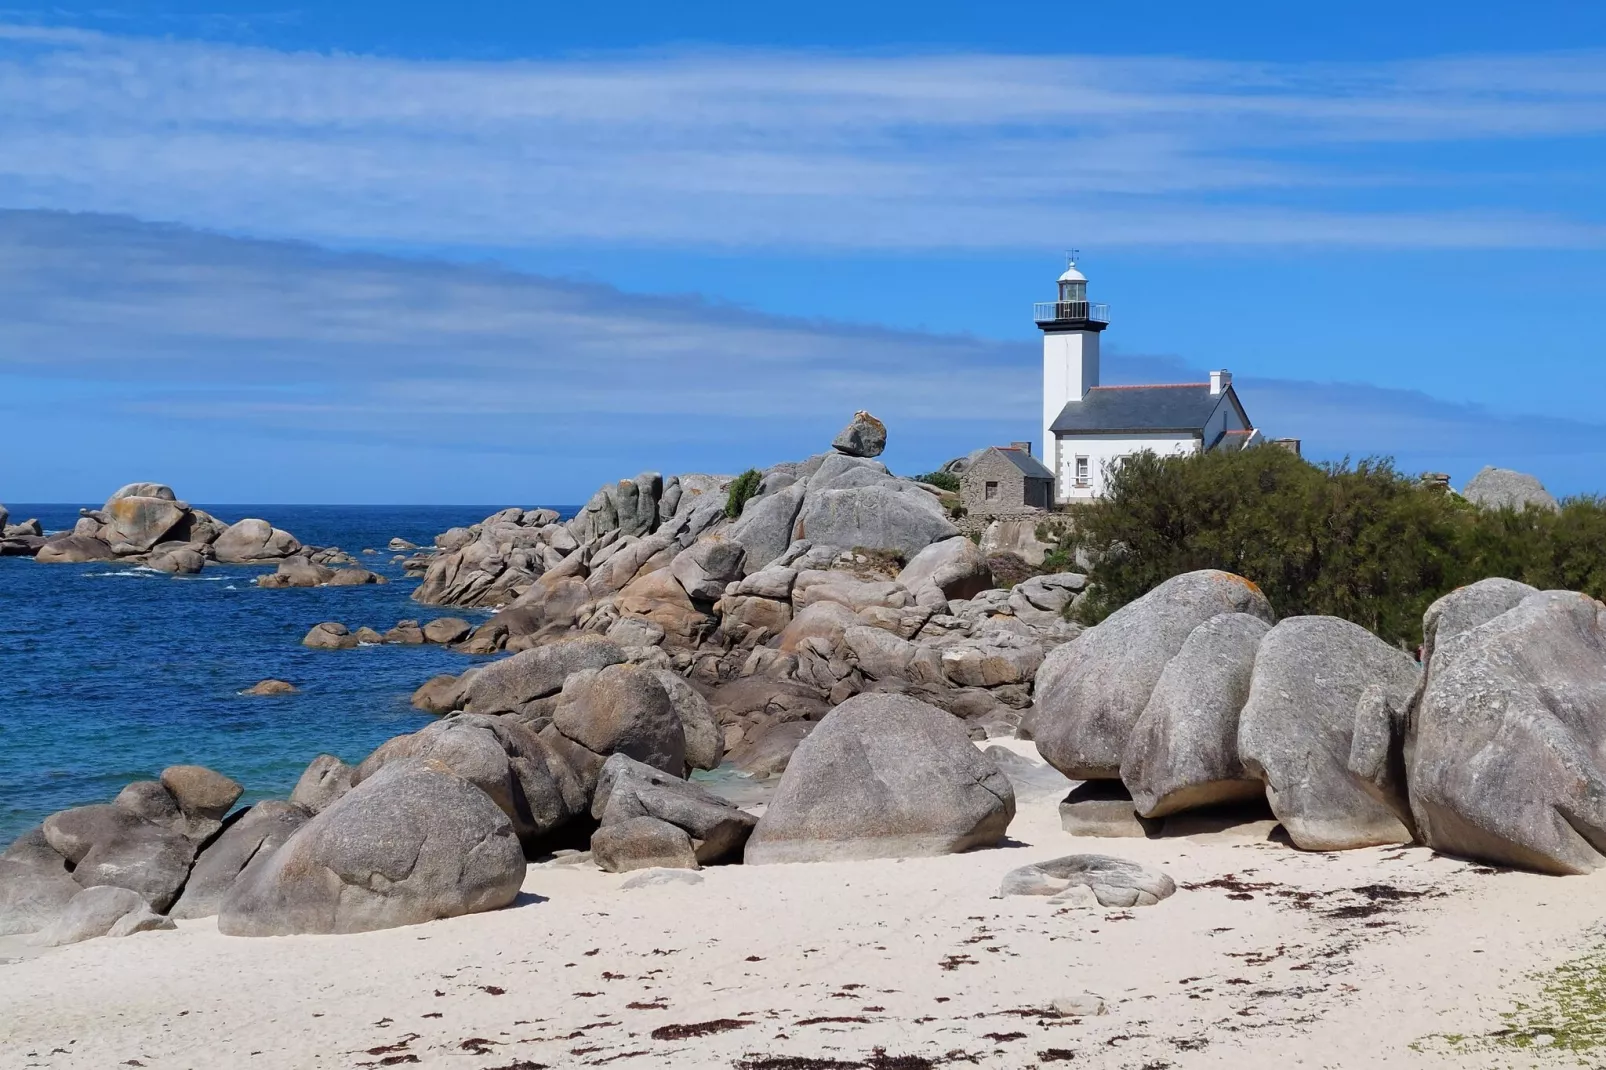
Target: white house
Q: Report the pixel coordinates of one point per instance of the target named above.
(1087, 426)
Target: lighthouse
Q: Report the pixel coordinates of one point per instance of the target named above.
(1071, 328)
(1089, 429)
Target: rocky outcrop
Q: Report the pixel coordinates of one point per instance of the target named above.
(1313, 676)
(73, 550)
(887, 514)
(622, 709)
(413, 843)
(1467, 607)
(1090, 694)
(249, 841)
(329, 635)
(539, 782)
(954, 568)
(251, 541)
(446, 630)
(642, 843)
(102, 911)
(883, 776)
(147, 524)
(516, 684)
(271, 688)
(135, 522)
(704, 742)
(637, 806)
(109, 845)
(1503, 752)
(1501, 488)
(323, 781)
(1183, 750)
(31, 896)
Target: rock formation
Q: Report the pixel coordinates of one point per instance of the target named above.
(884, 776)
(147, 524)
(413, 843)
(1091, 693)
(1501, 488)
(1504, 748)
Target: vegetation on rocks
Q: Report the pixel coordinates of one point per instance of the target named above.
(945, 480)
(1360, 541)
(742, 489)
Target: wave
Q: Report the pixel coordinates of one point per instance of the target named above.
(137, 570)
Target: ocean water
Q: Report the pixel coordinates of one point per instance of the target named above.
(108, 673)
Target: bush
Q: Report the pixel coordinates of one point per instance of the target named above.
(1362, 541)
(945, 480)
(742, 489)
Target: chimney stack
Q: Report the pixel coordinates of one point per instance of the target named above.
(1220, 381)
(1024, 447)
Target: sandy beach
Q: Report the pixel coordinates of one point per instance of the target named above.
(1265, 956)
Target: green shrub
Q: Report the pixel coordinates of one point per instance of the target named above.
(742, 488)
(1361, 541)
(946, 480)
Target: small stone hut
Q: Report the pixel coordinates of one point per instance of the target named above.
(1006, 481)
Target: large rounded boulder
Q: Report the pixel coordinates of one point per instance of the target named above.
(1464, 608)
(413, 843)
(511, 685)
(623, 709)
(249, 841)
(31, 896)
(1315, 678)
(1183, 752)
(1090, 693)
(1505, 751)
(884, 776)
(253, 540)
(881, 513)
(510, 762)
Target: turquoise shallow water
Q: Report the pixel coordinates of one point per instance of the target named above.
(109, 673)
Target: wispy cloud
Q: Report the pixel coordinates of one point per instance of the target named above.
(121, 339)
(740, 148)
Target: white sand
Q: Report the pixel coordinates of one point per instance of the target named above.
(918, 953)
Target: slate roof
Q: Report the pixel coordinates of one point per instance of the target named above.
(1029, 466)
(1179, 407)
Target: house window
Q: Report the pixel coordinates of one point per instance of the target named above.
(1081, 471)
(990, 491)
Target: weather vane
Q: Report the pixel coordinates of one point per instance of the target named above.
(1071, 257)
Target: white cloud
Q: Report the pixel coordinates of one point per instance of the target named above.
(741, 148)
(123, 340)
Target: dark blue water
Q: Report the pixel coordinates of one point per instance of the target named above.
(109, 673)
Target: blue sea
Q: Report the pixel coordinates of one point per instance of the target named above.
(109, 673)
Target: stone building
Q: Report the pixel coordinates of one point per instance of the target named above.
(1006, 481)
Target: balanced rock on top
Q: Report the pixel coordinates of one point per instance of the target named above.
(865, 436)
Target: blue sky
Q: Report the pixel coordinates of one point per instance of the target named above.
(490, 252)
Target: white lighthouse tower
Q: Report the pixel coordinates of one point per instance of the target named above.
(1071, 328)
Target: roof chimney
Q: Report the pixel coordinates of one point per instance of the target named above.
(1220, 381)
(1024, 447)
